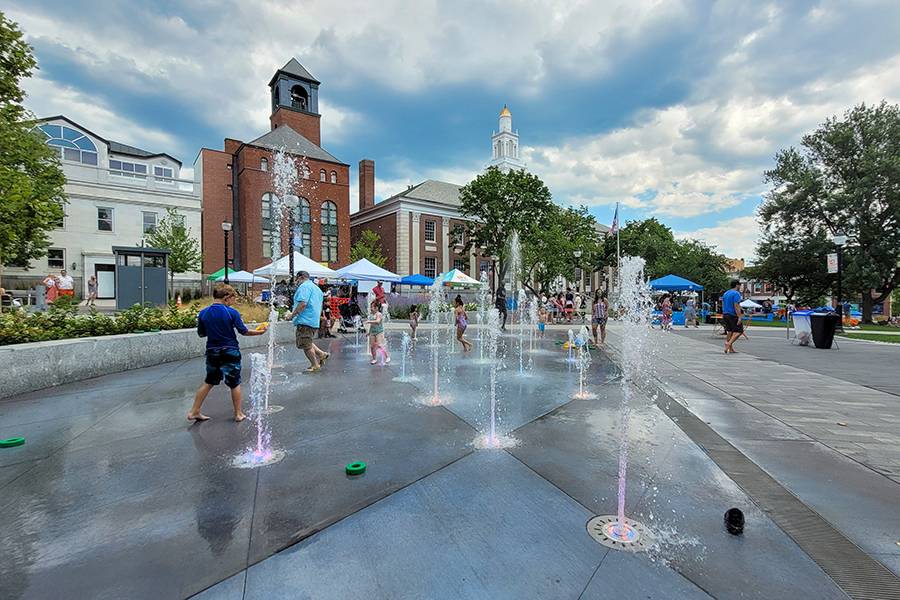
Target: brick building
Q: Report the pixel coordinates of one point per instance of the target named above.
(236, 186)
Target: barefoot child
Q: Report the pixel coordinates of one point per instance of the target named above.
(543, 315)
(376, 334)
(414, 320)
(217, 323)
(462, 322)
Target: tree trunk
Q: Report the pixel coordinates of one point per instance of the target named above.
(867, 304)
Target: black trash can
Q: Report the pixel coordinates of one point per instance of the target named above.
(823, 326)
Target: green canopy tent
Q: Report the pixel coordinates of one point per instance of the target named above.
(220, 273)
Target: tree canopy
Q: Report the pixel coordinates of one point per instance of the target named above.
(550, 252)
(844, 178)
(498, 204)
(172, 233)
(31, 181)
(795, 266)
(368, 246)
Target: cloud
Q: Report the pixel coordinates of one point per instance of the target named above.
(735, 238)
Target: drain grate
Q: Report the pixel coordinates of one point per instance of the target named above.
(635, 537)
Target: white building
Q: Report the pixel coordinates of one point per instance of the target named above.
(116, 194)
(506, 145)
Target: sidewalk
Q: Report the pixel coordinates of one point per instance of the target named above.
(833, 443)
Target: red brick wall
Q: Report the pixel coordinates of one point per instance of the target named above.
(216, 205)
(386, 228)
(366, 183)
(307, 125)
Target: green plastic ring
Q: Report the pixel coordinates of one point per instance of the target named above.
(138, 331)
(355, 468)
(18, 441)
(154, 331)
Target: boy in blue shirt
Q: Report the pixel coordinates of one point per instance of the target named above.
(732, 315)
(217, 323)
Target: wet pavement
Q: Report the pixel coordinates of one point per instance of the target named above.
(115, 495)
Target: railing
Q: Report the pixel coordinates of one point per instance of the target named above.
(91, 174)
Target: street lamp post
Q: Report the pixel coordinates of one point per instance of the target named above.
(226, 227)
(839, 240)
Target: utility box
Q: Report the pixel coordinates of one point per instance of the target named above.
(141, 276)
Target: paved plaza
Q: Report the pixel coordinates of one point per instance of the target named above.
(115, 495)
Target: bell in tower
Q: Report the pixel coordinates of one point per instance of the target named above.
(295, 100)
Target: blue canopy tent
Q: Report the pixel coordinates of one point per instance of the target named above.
(674, 283)
(416, 280)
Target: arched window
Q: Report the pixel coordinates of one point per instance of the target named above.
(264, 164)
(71, 143)
(268, 223)
(322, 174)
(305, 171)
(334, 177)
(299, 98)
(302, 227)
(329, 231)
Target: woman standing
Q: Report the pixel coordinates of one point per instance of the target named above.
(690, 313)
(52, 292)
(599, 316)
(666, 307)
(92, 291)
(462, 322)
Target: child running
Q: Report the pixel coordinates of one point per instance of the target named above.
(376, 333)
(462, 322)
(217, 323)
(599, 317)
(543, 315)
(414, 320)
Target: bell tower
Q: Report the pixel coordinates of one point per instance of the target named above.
(505, 143)
(295, 101)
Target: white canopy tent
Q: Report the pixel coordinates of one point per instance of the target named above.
(364, 270)
(748, 303)
(301, 263)
(243, 277)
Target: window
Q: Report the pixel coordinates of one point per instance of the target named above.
(302, 228)
(329, 231)
(121, 168)
(459, 235)
(61, 223)
(334, 177)
(56, 258)
(305, 171)
(430, 267)
(149, 222)
(299, 97)
(72, 145)
(484, 268)
(264, 164)
(429, 231)
(459, 264)
(104, 219)
(322, 175)
(163, 172)
(268, 226)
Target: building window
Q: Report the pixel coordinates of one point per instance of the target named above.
(305, 171)
(484, 268)
(302, 228)
(322, 174)
(264, 164)
(121, 168)
(459, 264)
(268, 224)
(334, 177)
(430, 267)
(163, 172)
(329, 231)
(56, 258)
(149, 222)
(459, 235)
(104, 219)
(429, 231)
(71, 144)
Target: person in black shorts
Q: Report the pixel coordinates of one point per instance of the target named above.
(217, 323)
(732, 315)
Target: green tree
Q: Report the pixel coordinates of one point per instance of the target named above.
(794, 265)
(700, 263)
(845, 178)
(499, 204)
(184, 249)
(550, 251)
(31, 181)
(368, 246)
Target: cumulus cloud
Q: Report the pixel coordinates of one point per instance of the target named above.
(735, 238)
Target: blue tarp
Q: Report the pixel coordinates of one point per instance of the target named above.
(674, 283)
(416, 280)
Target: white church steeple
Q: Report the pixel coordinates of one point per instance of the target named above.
(505, 144)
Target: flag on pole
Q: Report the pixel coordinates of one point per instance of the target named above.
(615, 222)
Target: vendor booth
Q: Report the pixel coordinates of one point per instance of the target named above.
(281, 267)
(674, 283)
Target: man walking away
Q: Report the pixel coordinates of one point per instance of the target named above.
(306, 318)
(732, 316)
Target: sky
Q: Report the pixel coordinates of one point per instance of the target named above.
(673, 109)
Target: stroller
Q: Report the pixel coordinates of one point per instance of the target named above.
(350, 317)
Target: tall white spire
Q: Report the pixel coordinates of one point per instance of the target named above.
(505, 144)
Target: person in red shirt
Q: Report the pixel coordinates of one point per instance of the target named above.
(378, 290)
